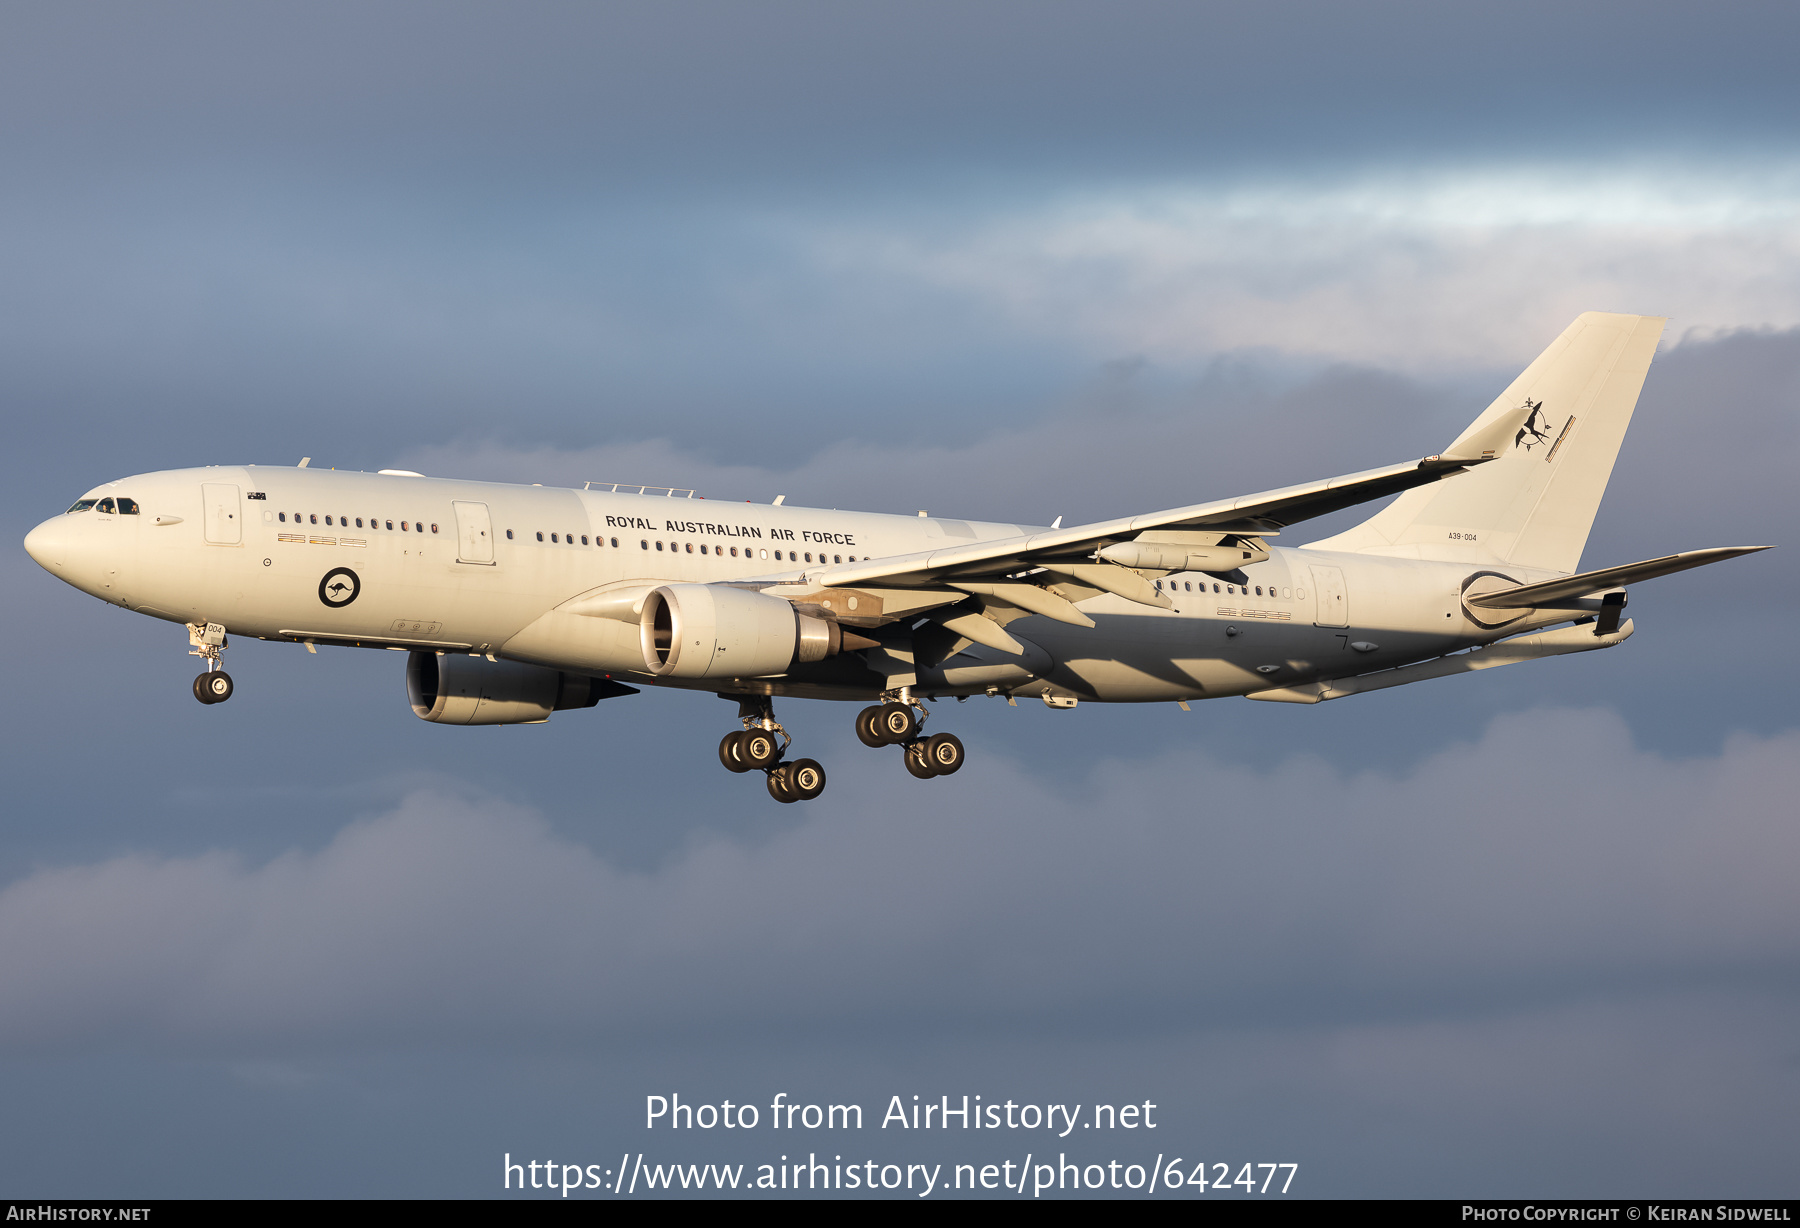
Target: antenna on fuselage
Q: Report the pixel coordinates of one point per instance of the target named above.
(304, 462)
(778, 499)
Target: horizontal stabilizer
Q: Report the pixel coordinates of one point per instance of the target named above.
(1568, 588)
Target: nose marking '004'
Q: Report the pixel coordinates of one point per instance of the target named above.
(339, 587)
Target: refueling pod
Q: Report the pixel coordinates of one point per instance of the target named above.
(454, 689)
(1183, 551)
(716, 631)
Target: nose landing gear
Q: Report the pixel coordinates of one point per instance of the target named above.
(208, 640)
(896, 723)
(760, 745)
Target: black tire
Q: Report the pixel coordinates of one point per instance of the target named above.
(916, 763)
(806, 777)
(868, 731)
(781, 784)
(728, 752)
(897, 723)
(217, 686)
(757, 748)
(200, 692)
(944, 752)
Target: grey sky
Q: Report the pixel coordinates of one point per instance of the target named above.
(1531, 931)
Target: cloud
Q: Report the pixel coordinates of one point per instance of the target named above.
(1549, 863)
(1419, 270)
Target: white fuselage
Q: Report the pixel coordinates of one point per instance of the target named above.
(254, 549)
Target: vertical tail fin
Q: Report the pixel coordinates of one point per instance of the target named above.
(1534, 506)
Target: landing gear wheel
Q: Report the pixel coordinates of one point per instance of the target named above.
(917, 763)
(729, 754)
(757, 748)
(806, 777)
(868, 726)
(896, 723)
(781, 784)
(944, 752)
(213, 688)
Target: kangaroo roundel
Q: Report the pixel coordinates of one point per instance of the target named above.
(339, 587)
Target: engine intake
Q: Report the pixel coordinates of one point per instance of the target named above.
(712, 631)
(452, 689)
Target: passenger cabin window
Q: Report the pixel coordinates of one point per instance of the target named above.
(82, 505)
(509, 536)
(281, 516)
(314, 517)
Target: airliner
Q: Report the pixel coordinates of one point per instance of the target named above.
(513, 602)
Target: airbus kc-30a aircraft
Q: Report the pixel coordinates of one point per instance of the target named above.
(513, 602)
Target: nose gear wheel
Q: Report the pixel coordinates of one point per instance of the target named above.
(213, 687)
(208, 641)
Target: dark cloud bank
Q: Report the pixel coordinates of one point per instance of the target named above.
(1541, 943)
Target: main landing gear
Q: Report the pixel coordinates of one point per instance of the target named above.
(896, 723)
(760, 745)
(208, 640)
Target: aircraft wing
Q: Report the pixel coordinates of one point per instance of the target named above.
(979, 566)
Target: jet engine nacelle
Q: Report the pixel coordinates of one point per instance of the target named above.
(453, 689)
(713, 631)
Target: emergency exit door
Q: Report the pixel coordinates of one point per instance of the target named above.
(474, 533)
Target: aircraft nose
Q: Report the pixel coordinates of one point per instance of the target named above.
(49, 544)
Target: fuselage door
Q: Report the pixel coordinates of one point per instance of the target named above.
(474, 533)
(1333, 598)
(224, 518)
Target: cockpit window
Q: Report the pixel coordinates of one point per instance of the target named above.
(127, 507)
(82, 505)
(106, 505)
